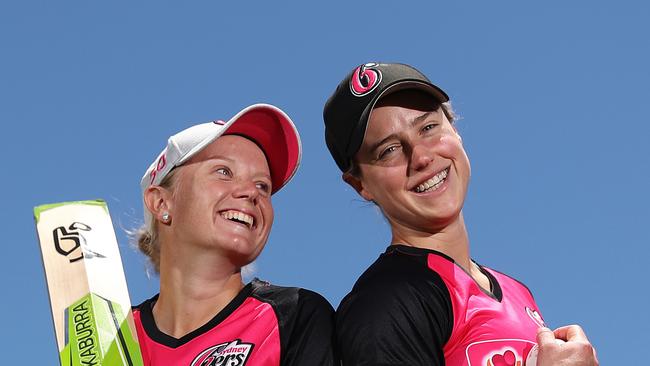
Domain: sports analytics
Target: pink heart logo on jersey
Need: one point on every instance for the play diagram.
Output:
(508, 358)
(498, 352)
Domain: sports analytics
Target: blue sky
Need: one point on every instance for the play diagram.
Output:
(552, 96)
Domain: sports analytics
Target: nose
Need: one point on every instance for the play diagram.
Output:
(246, 190)
(421, 157)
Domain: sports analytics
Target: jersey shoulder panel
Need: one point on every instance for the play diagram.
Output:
(306, 322)
(398, 312)
(399, 271)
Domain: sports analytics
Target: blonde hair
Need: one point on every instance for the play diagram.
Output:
(147, 236)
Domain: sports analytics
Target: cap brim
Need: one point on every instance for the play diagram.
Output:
(430, 89)
(276, 135)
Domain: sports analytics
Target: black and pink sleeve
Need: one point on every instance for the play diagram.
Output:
(399, 313)
(306, 326)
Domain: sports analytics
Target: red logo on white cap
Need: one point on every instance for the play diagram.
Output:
(162, 161)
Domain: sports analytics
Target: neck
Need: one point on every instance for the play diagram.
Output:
(452, 240)
(194, 287)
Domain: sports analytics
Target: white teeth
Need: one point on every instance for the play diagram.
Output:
(238, 216)
(433, 183)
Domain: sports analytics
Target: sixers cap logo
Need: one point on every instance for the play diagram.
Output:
(234, 353)
(365, 79)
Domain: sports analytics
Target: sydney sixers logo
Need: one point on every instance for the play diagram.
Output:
(233, 353)
(365, 79)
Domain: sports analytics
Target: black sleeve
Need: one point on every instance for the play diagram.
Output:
(399, 318)
(306, 326)
(310, 341)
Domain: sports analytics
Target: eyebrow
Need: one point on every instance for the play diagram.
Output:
(411, 123)
(210, 158)
(219, 157)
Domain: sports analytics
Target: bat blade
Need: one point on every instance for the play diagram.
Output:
(88, 295)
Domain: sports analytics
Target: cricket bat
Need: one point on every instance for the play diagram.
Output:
(90, 302)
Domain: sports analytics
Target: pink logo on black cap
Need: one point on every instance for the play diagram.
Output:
(365, 79)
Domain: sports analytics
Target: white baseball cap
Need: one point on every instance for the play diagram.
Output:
(265, 124)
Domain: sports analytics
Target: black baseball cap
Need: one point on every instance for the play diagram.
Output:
(347, 110)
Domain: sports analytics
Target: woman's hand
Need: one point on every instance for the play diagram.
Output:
(566, 346)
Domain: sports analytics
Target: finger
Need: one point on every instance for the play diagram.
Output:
(545, 336)
(571, 333)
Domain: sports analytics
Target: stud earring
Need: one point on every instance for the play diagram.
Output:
(165, 217)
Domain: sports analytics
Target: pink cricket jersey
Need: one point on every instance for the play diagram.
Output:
(418, 307)
(264, 325)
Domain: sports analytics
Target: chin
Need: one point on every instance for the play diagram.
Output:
(243, 255)
(441, 218)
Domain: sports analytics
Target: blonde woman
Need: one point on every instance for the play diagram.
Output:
(208, 213)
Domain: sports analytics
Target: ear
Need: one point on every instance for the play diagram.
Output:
(158, 201)
(357, 184)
